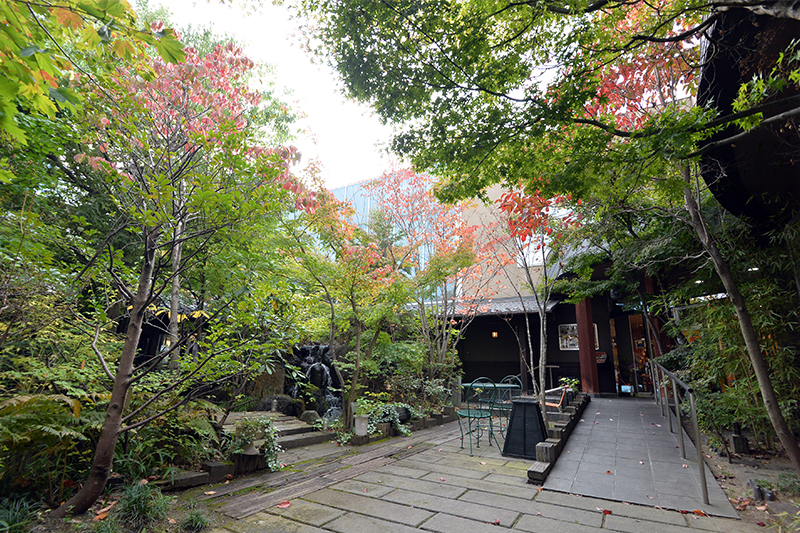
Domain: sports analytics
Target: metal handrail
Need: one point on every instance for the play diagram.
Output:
(657, 373)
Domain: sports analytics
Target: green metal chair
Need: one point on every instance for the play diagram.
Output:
(476, 412)
(509, 388)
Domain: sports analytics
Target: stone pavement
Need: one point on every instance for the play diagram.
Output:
(623, 450)
(425, 482)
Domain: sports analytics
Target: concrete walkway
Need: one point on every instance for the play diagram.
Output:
(622, 450)
(425, 482)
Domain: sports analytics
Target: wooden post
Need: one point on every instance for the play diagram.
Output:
(590, 383)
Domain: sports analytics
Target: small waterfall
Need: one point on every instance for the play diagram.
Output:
(315, 362)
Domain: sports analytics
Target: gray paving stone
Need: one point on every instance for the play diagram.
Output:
(445, 523)
(369, 506)
(579, 516)
(305, 512)
(415, 485)
(405, 471)
(476, 466)
(514, 480)
(520, 489)
(355, 486)
(632, 525)
(473, 511)
(728, 525)
(440, 468)
(267, 523)
(356, 523)
(540, 524)
(617, 508)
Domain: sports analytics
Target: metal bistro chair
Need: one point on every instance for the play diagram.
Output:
(509, 388)
(476, 412)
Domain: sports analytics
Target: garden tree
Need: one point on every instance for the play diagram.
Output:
(436, 247)
(46, 44)
(362, 289)
(532, 230)
(183, 165)
(502, 92)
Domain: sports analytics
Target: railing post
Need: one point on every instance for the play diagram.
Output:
(700, 462)
(667, 382)
(678, 416)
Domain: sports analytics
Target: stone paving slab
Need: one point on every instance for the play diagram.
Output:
(627, 440)
(499, 501)
(359, 487)
(474, 511)
(266, 523)
(539, 524)
(356, 523)
(520, 489)
(370, 506)
(306, 512)
(414, 485)
(447, 523)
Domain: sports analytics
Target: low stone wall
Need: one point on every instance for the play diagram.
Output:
(562, 424)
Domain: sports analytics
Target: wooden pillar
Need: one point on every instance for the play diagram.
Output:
(586, 352)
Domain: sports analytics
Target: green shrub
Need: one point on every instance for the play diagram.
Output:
(16, 515)
(248, 430)
(195, 521)
(141, 506)
(788, 483)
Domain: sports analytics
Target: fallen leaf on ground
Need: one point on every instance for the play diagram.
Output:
(210, 492)
(611, 419)
(760, 523)
(685, 466)
(761, 507)
(107, 508)
(609, 472)
(652, 497)
(441, 479)
(99, 517)
(483, 462)
(606, 511)
(143, 482)
(410, 447)
(365, 490)
(284, 504)
(641, 462)
(172, 521)
(698, 512)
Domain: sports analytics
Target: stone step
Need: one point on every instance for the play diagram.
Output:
(304, 439)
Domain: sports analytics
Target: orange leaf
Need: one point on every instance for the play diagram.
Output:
(99, 517)
(284, 504)
(609, 472)
(68, 18)
(172, 521)
(606, 511)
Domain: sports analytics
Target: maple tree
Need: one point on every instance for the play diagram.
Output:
(442, 255)
(183, 165)
(43, 45)
(535, 225)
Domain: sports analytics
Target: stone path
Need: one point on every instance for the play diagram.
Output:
(426, 482)
(623, 450)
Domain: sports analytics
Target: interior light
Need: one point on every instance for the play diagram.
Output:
(494, 334)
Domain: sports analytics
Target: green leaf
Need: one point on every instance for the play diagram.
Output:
(57, 96)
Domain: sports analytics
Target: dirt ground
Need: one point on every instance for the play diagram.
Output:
(759, 466)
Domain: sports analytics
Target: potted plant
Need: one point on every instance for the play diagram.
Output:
(249, 430)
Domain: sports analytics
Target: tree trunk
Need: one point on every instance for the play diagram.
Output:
(745, 324)
(104, 453)
(543, 360)
(174, 298)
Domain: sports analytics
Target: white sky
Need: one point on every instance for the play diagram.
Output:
(346, 133)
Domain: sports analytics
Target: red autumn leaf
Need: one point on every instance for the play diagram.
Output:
(284, 504)
(698, 512)
(606, 511)
(99, 517)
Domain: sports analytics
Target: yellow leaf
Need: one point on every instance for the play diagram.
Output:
(123, 49)
(68, 18)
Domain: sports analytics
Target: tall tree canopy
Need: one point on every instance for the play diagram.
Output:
(586, 97)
